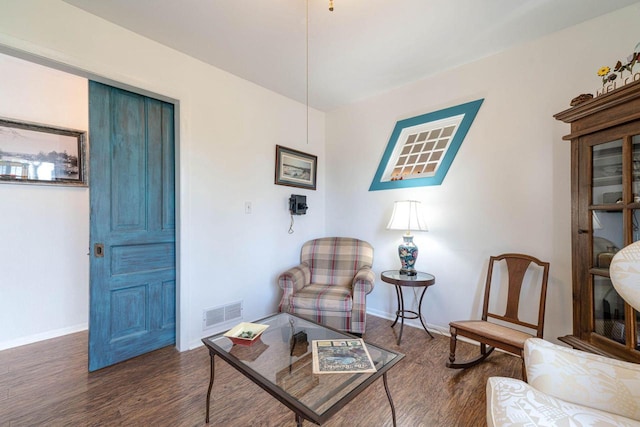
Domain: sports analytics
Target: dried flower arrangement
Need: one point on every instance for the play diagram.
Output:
(609, 76)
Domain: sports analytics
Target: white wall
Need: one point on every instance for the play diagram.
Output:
(45, 229)
(507, 190)
(228, 129)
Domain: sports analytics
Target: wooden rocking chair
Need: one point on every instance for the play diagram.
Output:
(492, 335)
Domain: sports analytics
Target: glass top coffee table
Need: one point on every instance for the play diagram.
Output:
(280, 362)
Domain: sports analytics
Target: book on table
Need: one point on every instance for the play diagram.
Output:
(341, 356)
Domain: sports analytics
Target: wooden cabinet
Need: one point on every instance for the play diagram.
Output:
(605, 216)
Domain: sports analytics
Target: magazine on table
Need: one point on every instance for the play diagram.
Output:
(341, 356)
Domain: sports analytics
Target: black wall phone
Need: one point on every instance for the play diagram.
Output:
(298, 204)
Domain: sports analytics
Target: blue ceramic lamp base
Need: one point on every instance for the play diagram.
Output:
(408, 252)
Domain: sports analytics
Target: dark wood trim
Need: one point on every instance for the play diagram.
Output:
(575, 248)
(601, 127)
(619, 96)
(595, 345)
(579, 344)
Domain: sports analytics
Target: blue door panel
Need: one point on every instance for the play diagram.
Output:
(169, 304)
(132, 179)
(128, 312)
(168, 220)
(128, 166)
(134, 258)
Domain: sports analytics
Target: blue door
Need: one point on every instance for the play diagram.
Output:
(132, 200)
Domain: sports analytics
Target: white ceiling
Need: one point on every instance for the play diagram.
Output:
(362, 48)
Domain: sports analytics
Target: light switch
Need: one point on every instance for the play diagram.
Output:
(247, 208)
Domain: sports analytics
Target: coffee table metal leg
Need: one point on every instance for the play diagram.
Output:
(420, 312)
(299, 420)
(210, 387)
(386, 388)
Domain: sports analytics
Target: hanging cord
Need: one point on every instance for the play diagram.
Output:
(307, 71)
(291, 225)
(307, 63)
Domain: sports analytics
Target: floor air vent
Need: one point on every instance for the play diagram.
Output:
(222, 314)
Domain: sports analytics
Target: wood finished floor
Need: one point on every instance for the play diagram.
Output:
(47, 384)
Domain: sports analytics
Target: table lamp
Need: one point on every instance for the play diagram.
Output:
(408, 216)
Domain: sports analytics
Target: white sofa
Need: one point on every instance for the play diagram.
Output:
(566, 387)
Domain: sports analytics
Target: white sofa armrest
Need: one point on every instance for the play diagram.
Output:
(583, 378)
(514, 403)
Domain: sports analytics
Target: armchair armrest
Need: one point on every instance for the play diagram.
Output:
(583, 378)
(291, 281)
(295, 278)
(364, 278)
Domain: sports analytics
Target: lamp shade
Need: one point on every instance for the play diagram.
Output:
(408, 215)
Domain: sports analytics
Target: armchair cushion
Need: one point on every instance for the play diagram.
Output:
(324, 297)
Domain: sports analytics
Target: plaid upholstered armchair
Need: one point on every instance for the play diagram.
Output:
(330, 284)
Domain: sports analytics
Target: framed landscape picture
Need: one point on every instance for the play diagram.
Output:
(295, 168)
(39, 154)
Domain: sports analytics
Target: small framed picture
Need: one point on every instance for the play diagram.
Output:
(32, 153)
(295, 168)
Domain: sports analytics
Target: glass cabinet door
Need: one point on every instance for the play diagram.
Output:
(606, 175)
(635, 169)
(615, 191)
(635, 213)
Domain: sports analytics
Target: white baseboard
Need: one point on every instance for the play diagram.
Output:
(414, 323)
(43, 336)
